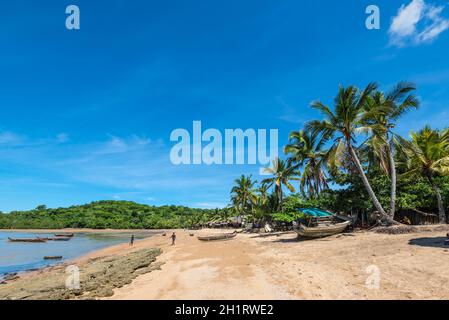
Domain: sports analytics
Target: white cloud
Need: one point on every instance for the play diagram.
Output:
(417, 23)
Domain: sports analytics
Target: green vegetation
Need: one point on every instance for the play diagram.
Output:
(109, 214)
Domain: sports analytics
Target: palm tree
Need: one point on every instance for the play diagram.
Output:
(243, 194)
(382, 113)
(282, 173)
(343, 125)
(307, 149)
(260, 206)
(224, 214)
(428, 155)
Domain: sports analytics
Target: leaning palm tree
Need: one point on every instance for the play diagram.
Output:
(307, 149)
(243, 194)
(343, 124)
(427, 154)
(282, 173)
(382, 113)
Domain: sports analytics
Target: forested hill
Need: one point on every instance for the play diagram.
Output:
(107, 214)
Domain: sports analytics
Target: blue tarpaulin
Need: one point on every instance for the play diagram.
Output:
(314, 212)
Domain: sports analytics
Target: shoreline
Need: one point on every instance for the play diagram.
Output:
(82, 258)
(55, 275)
(81, 230)
(279, 266)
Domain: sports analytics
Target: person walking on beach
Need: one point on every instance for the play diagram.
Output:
(173, 238)
(131, 243)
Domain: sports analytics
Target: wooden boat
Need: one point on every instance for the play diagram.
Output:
(322, 230)
(52, 257)
(58, 239)
(216, 237)
(27, 240)
(61, 238)
(68, 235)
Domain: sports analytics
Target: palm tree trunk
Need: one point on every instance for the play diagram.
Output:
(366, 183)
(441, 211)
(393, 178)
(280, 196)
(281, 199)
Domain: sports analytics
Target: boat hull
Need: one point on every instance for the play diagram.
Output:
(38, 240)
(217, 237)
(64, 235)
(58, 239)
(321, 231)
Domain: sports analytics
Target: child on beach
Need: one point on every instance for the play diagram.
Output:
(173, 238)
(131, 243)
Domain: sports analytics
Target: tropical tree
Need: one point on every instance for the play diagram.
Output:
(382, 114)
(427, 154)
(282, 172)
(307, 149)
(243, 194)
(262, 208)
(343, 124)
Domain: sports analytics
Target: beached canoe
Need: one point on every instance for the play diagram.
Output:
(216, 237)
(58, 239)
(321, 231)
(68, 235)
(61, 238)
(27, 240)
(52, 257)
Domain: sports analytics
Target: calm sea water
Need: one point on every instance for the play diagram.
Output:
(17, 257)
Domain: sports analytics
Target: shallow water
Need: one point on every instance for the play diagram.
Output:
(17, 256)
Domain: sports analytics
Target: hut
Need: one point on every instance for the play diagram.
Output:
(415, 217)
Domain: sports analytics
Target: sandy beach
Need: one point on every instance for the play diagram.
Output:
(279, 266)
(411, 266)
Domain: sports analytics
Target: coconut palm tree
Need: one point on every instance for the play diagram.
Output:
(382, 113)
(307, 149)
(427, 154)
(262, 196)
(243, 194)
(343, 124)
(282, 173)
(260, 208)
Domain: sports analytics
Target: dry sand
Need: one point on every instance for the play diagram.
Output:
(411, 266)
(279, 266)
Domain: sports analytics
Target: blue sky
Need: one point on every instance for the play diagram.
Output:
(87, 114)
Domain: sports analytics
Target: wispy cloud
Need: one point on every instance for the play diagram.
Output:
(417, 23)
(438, 77)
(119, 167)
(10, 138)
(289, 114)
(62, 137)
(210, 205)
